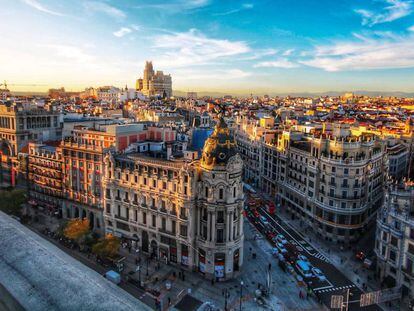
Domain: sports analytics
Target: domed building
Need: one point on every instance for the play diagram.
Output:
(183, 210)
(220, 204)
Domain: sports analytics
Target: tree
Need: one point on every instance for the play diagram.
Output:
(77, 229)
(107, 247)
(11, 201)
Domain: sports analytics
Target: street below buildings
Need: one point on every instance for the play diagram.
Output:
(335, 281)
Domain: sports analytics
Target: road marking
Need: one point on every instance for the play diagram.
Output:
(270, 223)
(321, 288)
(332, 289)
(322, 257)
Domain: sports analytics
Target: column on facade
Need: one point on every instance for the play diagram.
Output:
(213, 227)
(208, 226)
(231, 226)
(199, 216)
(228, 227)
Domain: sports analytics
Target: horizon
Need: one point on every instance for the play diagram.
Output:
(237, 47)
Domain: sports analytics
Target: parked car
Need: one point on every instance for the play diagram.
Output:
(303, 258)
(281, 238)
(360, 255)
(304, 268)
(281, 248)
(275, 251)
(263, 220)
(318, 274)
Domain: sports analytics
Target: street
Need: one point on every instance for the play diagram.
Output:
(336, 282)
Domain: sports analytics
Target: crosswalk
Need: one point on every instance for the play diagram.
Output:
(333, 289)
(321, 257)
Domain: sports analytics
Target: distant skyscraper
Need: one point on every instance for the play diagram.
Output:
(154, 83)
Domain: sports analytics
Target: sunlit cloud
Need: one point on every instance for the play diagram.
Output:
(40, 7)
(195, 48)
(173, 6)
(378, 52)
(243, 7)
(396, 9)
(101, 7)
(122, 32)
(70, 52)
(278, 63)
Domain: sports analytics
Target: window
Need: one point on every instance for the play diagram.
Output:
(333, 169)
(234, 192)
(154, 221)
(108, 208)
(206, 192)
(183, 230)
(220, 236)
(163, 223)
(173, 225)
(346, 171)
(221, 193)
(119, 210)
(411, 249)
(185, 190)
(126, 196)
(393, 256)
(135, 198)
(154, 183)
(220, 217)
(144, 218)
(394, 241)
(136, 215)
(136, 179)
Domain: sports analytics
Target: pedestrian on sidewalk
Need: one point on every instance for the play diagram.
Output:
(169, 301)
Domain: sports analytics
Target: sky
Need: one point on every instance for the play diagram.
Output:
(255, 46)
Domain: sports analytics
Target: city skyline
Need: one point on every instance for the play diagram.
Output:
(237, 47)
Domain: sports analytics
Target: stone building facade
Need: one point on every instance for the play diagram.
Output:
(394, 243)
(154, 82)
(184, 211)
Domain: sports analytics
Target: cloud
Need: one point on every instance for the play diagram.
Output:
(70, 52)
(395, 10)
(259, 54)
(40, 7)
(411, 28)
(245, 6)
(288, 52)
(376, 52)
(96, 6)
(122, 32)
(194, 48)
(226, 74)
(174, 6)
(278, 63)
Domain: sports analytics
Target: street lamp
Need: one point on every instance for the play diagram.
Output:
(226, 296)
(241, 293)
(139, 274)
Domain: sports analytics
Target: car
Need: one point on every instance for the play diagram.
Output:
(281, 248)
(360, 255)
(281, 238)
(303, 258)
(318, 274)
(263, 220)
(304, 268)
(275, 251)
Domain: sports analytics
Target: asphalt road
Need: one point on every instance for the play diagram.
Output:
(336, 284)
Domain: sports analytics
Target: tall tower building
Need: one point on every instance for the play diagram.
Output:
(154, 83)
(220, 221)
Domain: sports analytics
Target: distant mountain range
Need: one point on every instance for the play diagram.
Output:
(293, 94)
(303, 94)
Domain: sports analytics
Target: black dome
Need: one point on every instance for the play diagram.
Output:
(219, 147)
